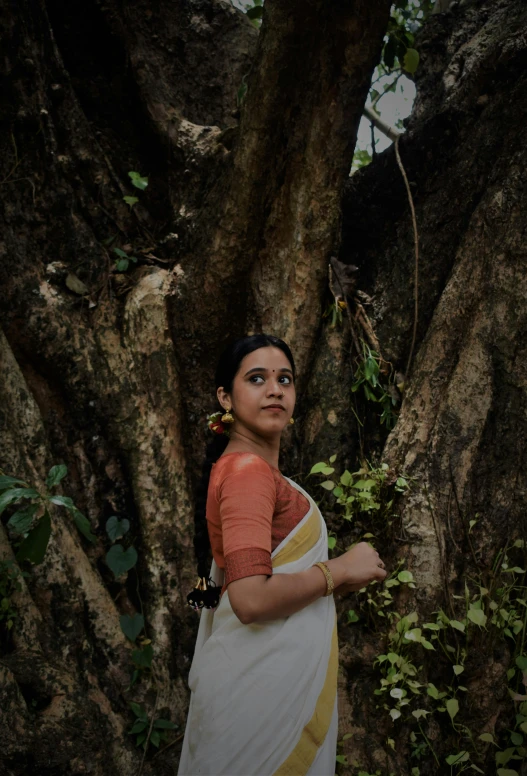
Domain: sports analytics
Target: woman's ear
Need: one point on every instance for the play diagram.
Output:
(224, 398)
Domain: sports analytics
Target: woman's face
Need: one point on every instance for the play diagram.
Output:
(263, 392)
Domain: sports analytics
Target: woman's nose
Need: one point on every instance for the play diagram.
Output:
(274, 388)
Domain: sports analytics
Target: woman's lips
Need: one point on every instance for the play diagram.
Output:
(275, 409)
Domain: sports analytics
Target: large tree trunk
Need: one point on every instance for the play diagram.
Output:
(110, 372)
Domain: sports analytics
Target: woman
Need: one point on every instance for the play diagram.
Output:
(264, 673)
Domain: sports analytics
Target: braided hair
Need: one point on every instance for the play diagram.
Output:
(227, 368)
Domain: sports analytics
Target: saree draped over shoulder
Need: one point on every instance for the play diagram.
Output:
(264, 696)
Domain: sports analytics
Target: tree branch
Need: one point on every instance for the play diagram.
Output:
(381, 125)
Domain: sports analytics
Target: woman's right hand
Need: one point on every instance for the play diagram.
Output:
(357, 567)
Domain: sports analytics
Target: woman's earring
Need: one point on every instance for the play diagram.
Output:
(291, 420)
(228, 417)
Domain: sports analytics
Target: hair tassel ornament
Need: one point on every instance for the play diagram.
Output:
(206, 595)
(215, 424)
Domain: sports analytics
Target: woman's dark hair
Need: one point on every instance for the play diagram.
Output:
(226, 371)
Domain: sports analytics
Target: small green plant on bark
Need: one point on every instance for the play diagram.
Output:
(377, 385)
(148, 731)
(367, 494)
(489, 610)
(30, 525)
(140, 183)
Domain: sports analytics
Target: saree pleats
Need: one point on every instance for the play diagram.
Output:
(263, 699)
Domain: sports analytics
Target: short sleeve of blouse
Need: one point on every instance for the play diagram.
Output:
(246, 496)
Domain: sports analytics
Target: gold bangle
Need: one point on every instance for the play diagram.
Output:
(330, 585)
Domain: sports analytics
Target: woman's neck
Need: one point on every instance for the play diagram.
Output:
(243, 442)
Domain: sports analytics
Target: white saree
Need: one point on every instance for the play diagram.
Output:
(264, 696)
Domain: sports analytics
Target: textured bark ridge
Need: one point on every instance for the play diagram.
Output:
(109, 372)
(462, 427)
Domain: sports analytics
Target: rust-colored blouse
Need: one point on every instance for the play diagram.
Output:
(251, 508)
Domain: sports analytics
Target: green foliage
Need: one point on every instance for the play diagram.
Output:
(30, 525)
(138, 181)
(376, 386)
(488, 610)
(255, 12)
(132, 625)
(116, 528)
(367, 493)
(147, 732)
(121, 264)
(406, 18)
(120, 559)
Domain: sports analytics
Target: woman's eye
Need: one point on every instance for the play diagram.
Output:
(254, 378)
(286, 379)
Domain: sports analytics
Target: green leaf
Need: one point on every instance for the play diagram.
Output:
(458, 670)
(130, 200)
(8, 482)
(84, 526)
(352, 616)
(452, 706)
(460, 757)
(255, 12)
(365, 484)
(327, 470)
(332, 458)
(317, 468)
(521, 662)
(120, 560)
(432, 691)
(155, 738)
(34, 546)
(14, 494)
(56, 474)
(411, 60)
(487, 737)
(138, 181)
(62, 501)
(477, 616)
(165, 724)
(121, 265)
(457, 625)
(506, 772)
(122, 254)
(516, 739)
(502, 758)
(139, 726)
(328, 484)
(405, 576)
(21, 520)
(132, 625)
(143, 657)
(345, 479)
(116, 528)
(332, 540)
(139, 710)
